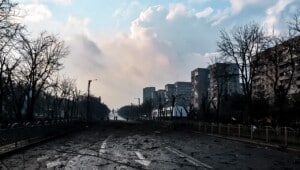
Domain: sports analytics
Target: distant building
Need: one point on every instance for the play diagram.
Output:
(147, 93)
(223, 80)
(161, 97)
(178, 111)
(158, 98)
(200, 82)
(183, 93)
(170, 93)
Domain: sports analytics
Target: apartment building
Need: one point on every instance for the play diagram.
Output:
(147, 93)
(183, 93)
(223, 80)
(158, 98)
(169, 93)
(276, 65)
(200, 82)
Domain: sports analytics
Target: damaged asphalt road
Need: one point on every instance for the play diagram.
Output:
(145, 146)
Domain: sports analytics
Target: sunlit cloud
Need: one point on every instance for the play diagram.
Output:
(197, 1)
(178, 10)
(272, 16)
(33, 12)
(238, 5)
(63, 2)
(77, 25)
(126, 9)
(206, 12)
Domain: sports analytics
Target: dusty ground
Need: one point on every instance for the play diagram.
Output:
(140, 146)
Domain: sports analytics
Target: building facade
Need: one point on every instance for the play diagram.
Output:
(183, 93)
(200, 82)
(147, 93)
(169, 93)
(158, 98)
(278, 66)
(223, 80)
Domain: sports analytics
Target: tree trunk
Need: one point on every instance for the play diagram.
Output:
(30, 109)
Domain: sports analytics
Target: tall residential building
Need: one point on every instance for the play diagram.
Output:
(158, 98)
(200, 82)
(223, 80)
(170, 93)
(276, 65)
(147, 93)
(183, 93)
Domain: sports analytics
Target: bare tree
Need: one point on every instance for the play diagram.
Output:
(75, 103)
(67, 92)
(9, 33)
(243, 46)
(42, 58)
(294, 25)
(222, 74)
(147, 107)
(279, 65)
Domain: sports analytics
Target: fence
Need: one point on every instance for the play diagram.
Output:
(283, 136)
(29, 131)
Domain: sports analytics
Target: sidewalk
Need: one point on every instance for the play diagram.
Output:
(20, 145)
(9, 149)
(252, 141)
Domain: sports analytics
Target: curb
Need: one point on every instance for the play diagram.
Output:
(34, 142)
(13, 150)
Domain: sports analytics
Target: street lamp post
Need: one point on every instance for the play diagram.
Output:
(139, 100)
(88, 101)
(131, 108)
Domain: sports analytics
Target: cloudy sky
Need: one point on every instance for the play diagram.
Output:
(128, 45)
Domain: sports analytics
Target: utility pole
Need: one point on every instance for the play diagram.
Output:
(88, 102)
(131, 108)
(88, 118)
(139, 100)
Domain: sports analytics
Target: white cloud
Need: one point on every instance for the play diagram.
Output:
(85, 56)
(197, 1)
(238, 11)
(238, 5)
(126, 9)
(220, 16)
(204, 59)
(34, 12)
(178, 10)
(272, 15)
(206, 12)
(63, 2)
(76, 25)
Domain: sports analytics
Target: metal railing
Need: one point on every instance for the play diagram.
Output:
(20, 132)
(283, 136)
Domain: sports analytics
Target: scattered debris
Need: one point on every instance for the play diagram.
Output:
(54, 163)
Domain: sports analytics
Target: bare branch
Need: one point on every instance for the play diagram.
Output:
(42, 58)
